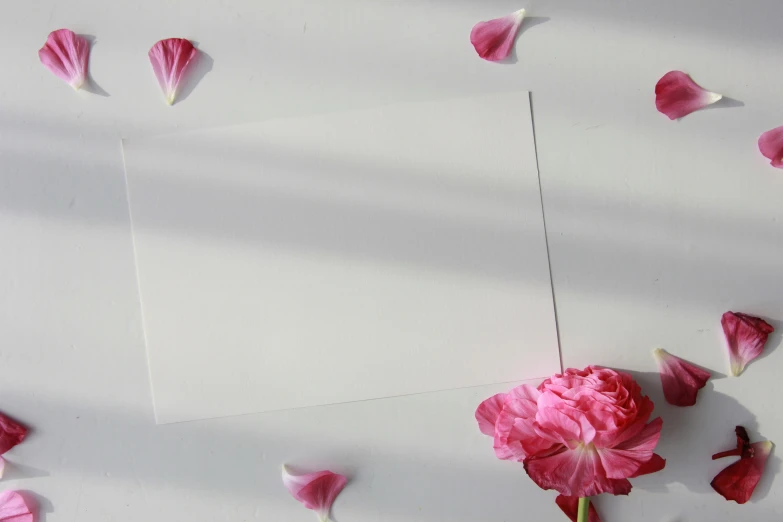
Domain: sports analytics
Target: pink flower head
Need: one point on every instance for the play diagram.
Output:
(738, 481)
(494, 39)
(170, 59)
(570, 506)
(676, 95)
(11, 433)
(583, 432)
(771, 146)
(681, 380)
(14, 508)
(316, 491)
(745, 336)
(66, 54)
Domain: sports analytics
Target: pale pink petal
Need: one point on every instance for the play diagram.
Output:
(316, 491)
(676, 95)
(13, 508)
(11, 433)
(488, 412)
(66, 54)
(494, 39)
(574, 473)
(625, 460)
(680, 379)
(170, 59)
(771, 146)
(745, 336)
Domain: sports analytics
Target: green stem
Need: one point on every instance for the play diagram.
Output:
(584, 509)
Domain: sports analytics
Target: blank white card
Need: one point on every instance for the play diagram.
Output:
(342, 257)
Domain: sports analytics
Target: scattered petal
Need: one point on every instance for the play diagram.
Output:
(11, 433)
(488, 412)
(676, 95)
(746, 336)
(771, 146)
(170, 59)
(65, 53)
(681, 380)
(494, 39)
(13, 508)
(738, 481)
(570, 506)
(316, 491)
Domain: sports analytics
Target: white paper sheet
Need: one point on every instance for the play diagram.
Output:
(342, 257)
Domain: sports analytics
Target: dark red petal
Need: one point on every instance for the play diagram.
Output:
(570, 506)
(11, 433)
(655, 464)
(680, 379)
(738, 481)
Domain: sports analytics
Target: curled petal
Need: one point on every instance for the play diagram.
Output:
(681, 380)
(14, 508)
(11, 433)
(676, 95)
(771, 146)
(570, 506)
(66, 54)
(738, 481)
(316, 491)
(488, 412)
(170, 59)
(494, 39)
(746, 336)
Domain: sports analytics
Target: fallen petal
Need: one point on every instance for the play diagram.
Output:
(771, 146)
(681, 380)
(488, 412)
(494, 39)
(316, 491)
(570, 506)
(11, 433)
(738, 481)
(66, 54)
(746, 336)
(170, 59)
(13, 508)
(676, 95)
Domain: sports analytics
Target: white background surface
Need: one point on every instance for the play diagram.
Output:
(655, 228)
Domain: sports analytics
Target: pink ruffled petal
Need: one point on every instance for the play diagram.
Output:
(574, 473)
(488, 412)
(493, 40)
(66, 54)
(676, 95)
(570, 506)
(626, 459)
(681, 380)
(746, 336)
(170, 59)
(11, 433)
(316, 491)
(13, 508)
(771, 146)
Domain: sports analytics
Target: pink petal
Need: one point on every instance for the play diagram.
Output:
(66, 54)
(746, 336)
(626, 459)
(771, 146)
(13, 508)
(570, 506)
(316, 491)
(488, 412)
(676, 95)
(170, 59)
(681, 380)
(574, 473)
(11, 433)
(654, 465)
(494, 39)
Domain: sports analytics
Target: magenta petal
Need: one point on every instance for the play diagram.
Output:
(13, 508)
(488, 412)
(681, 380)
(771, 146)
(494, 39)
(746, 336)
(66, 54)
(316, 491)
(170, 59)
(11, 433)
(676, 95)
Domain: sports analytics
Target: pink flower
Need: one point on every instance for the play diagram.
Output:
(570, 506)
(745, 336)
(738, 481)
(13, 508)
(316, 491)
(66, 54)
(681, 380)
(676, 95)
(581, 433)
(771, 146)
(494, 39)
(170, 59)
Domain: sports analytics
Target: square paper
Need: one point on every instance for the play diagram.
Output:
(342, 257)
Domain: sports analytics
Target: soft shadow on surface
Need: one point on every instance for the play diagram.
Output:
(198, 69)
(38, 504)
(527, 24)
(91, 85)
(14, 471)
(725, 103)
